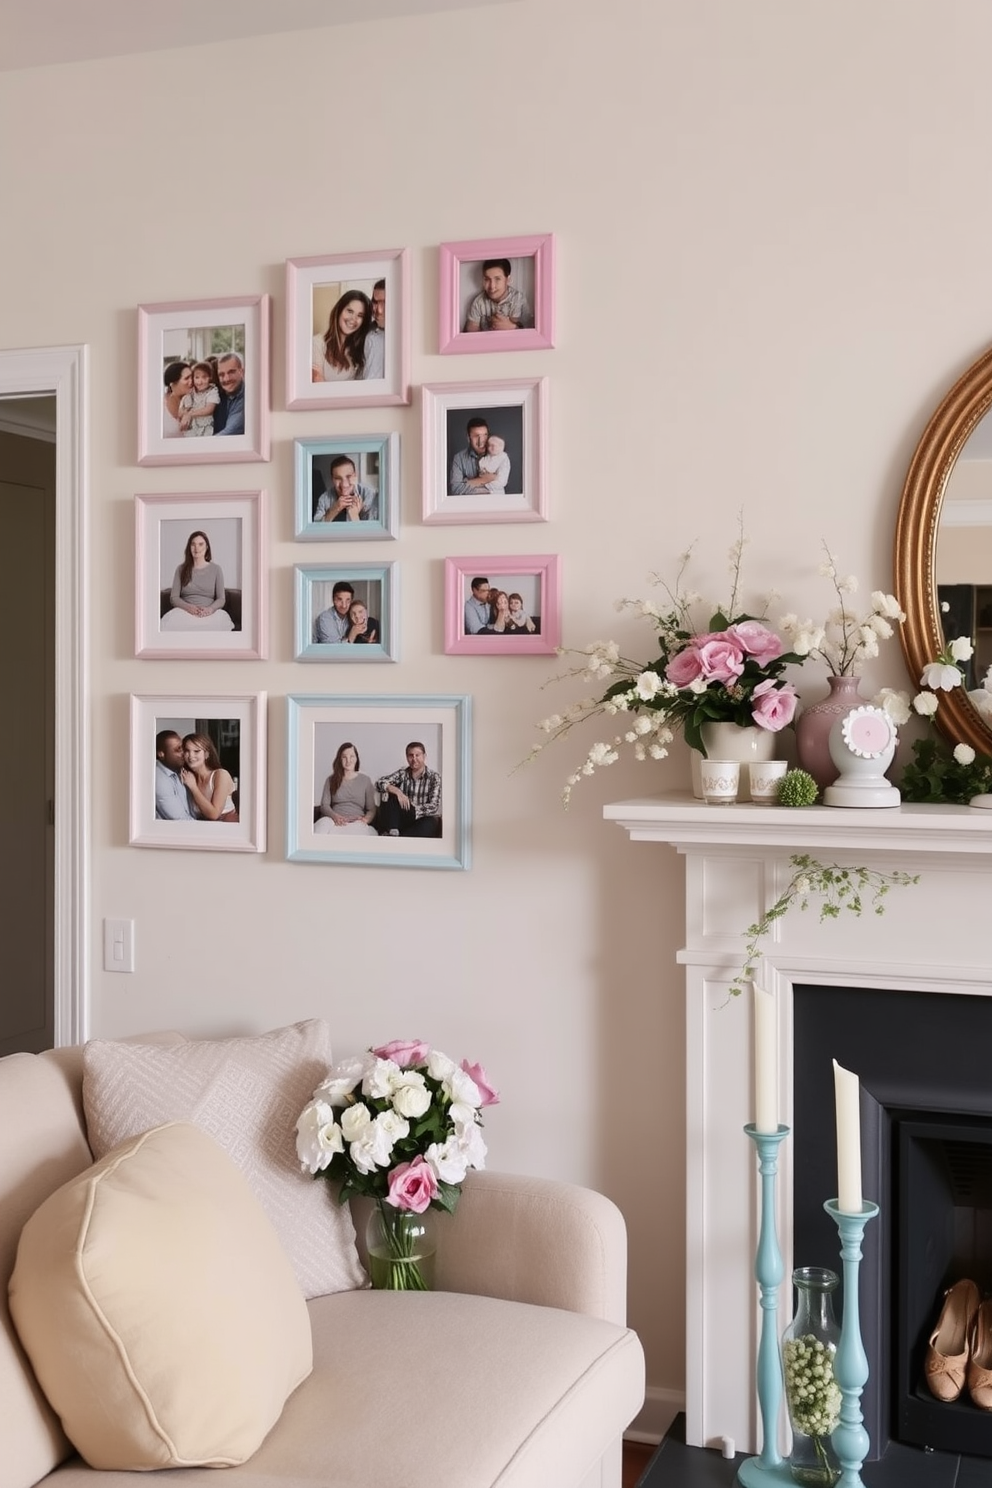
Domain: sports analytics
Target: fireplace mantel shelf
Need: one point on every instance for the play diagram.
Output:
(909, 829)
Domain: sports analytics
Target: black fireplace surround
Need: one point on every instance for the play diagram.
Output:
(925, 1064)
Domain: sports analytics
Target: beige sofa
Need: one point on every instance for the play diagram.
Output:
(518, 1372)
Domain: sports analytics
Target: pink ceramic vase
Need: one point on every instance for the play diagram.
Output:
(814, 724)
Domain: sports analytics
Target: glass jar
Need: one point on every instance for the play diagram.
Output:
(401, 1247)
(809, 1346)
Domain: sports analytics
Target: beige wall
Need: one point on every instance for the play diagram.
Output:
(772, 262)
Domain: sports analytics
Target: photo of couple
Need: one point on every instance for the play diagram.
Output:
(196, 770)
(349, 332)
(349, 618)
(204, 382)
(403, 802)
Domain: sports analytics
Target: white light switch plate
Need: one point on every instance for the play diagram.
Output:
(118, 945)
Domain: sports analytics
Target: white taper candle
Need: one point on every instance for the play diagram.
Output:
(765, 1062)
(847, 1096)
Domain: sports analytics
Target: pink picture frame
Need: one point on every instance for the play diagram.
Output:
(315, 288)
(531, 628)
(530, 288)
(232, 336)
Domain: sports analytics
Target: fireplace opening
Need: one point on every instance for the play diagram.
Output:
(925, 1065)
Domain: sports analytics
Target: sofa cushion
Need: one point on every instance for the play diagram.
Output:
(247, 1093)
(42, 1145)
(158, 1307)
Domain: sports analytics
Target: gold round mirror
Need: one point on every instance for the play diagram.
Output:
(944, 550)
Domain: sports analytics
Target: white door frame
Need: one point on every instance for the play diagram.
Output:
(62, 370)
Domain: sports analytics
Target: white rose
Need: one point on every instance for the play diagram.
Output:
(925, 704)
(471, 1145)
(412, 1097)
(439, 1066)
(964, 754)
(380, 1079)
(961, 649)
(448, 1161)
(341, 1079)
(354, 1120)
(372, 1149)
(394, 1126)
(318, 1137)
(462, 1090)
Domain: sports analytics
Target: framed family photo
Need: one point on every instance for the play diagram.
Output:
(506, 606)
(347, 488)
(203, 381)
(484, 451)
(347, 330)
(347, 612)
(497, 294)
(380, 781)
(198, 772)
(200, 580)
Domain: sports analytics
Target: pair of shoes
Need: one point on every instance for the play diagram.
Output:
(948, 1356)
(980, 1363)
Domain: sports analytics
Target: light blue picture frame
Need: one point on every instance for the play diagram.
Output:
(380, 728)
(376, 458)
(374, 584)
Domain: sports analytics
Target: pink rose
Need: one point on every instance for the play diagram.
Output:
(758, 641)
(404, 1052)
(412, 1185)
(773, 705)
(684, 667)
(475, 1072)
(722, 658)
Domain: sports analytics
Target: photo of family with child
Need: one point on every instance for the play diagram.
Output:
(204, 382)
(485, 451)
(511, 610)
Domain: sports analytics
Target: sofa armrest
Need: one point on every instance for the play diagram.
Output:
(535, 1240)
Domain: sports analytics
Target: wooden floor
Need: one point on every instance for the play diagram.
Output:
(636, 1456)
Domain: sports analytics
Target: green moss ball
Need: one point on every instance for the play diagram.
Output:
(797, 788)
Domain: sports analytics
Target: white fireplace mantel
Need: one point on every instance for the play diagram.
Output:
(934, 936)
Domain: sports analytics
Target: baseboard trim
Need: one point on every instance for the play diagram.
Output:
(656, 1415)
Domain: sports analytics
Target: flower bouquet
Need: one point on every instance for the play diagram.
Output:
(400, 1125)
(937, 772)
(724, 669)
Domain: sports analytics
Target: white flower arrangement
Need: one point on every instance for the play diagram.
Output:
(724, 668)
(935, 772)
(845, 640)
(400, 1124)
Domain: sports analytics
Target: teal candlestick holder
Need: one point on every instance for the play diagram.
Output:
(849, 1437)
(768, 1468)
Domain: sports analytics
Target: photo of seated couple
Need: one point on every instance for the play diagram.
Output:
(485, 451)
(204, 377)
(191, 782)
(378, 801)
(513, 610)
(194, 596)
(496, 294)
(349, 332)
(348, 620)
(345, 488)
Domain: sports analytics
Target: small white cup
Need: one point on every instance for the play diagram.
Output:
(765, 777)
(719, 780)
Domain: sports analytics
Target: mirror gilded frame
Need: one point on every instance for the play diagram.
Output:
(922, 635)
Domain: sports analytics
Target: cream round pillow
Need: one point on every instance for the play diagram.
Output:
(158, 1307)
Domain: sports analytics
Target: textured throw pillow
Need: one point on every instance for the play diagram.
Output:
(158, 1308)
(247, 1094)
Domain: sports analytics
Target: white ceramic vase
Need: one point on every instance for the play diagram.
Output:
(732, 741)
